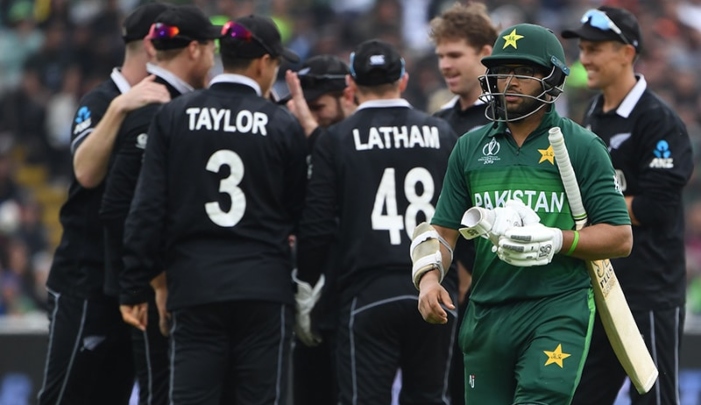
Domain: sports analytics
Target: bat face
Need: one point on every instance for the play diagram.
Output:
(605, 277)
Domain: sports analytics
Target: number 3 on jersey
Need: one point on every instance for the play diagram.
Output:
(228, 185)
(386, 201)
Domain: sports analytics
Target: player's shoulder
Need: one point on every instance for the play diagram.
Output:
(98, 99)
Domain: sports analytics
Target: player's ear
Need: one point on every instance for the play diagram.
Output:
(403, 82)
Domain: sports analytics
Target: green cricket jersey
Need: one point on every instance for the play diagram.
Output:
(487, 168)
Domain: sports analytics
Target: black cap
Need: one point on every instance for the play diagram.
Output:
(322, 74)
(191, 24)
(137, 24)
(622, 18)
(260, 37)
(376, 62)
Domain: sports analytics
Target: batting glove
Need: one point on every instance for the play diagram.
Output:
(306, 297)
(528, 216)
(530, 245)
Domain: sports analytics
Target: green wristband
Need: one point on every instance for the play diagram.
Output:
(574, 244)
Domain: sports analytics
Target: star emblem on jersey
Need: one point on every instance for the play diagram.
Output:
(556, 356)
(511, 39)
(547, 154)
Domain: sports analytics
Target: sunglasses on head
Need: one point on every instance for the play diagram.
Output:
(520, 70)
(164, 31)
(238, 31)
(599, 20)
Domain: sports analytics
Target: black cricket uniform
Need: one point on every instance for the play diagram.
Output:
(221, 188)
(651, 153)
(462, 121)
(375, 176)
(89, 351)
(150, 347)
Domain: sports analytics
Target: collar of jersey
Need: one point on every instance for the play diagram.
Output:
(387, 103)
(177, 83)
(120, 81)
(548, 121)
(237, 79)
(632, 97)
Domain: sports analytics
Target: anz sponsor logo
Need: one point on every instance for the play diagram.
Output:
(662, 159)
(82, 120)
(489, 152)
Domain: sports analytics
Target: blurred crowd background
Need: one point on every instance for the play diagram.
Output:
(54, 51)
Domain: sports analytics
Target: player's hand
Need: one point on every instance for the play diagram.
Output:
(528, 216)
(531, 245)
(305, 299)
(163, 314)
(145, 92)
(135, 315)
(432, 297)
(505, 218)
(298, 105)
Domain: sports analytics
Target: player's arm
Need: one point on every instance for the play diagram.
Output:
(431, 256)
(144, 228)
(664, 168)
(91, 157)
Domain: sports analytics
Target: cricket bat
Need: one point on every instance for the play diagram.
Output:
(611, 303)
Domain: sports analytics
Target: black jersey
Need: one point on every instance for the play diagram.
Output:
(375, 176)
(221, 189)
(120, 184)
(463, 121)
(78, 265)
(651, 152)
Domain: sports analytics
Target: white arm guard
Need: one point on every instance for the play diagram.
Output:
(426, 252)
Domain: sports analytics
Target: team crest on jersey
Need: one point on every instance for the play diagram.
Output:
(556, 356)
(663, 156)
(141, 141)
(489, 152)
(547, 155)
(471, 381)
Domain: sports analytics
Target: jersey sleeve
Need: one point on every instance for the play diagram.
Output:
(601, 194)
(146, 220)
(664, 167)
(454, 199)
(92, 109)
(318, 226)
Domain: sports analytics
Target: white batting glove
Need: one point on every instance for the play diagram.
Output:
(305, 299)
(528, 216)
(531, 245)
(505, 218)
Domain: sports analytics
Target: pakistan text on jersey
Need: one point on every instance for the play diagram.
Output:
(214, 119)
(543, 201)
(398, 137)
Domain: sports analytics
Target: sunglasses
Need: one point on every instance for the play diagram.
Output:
(164, 31)
(521, 70)
(238, 31)
(598, 19)
(312, 80)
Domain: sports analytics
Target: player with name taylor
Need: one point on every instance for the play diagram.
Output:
(527, 328)
(219, 207)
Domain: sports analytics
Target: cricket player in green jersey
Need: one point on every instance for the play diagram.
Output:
(526, 332)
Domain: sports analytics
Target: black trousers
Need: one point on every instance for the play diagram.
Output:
(314, 372)
(234, 352)
(89, 357)
(379, 334)
(603, 375)
(151, 361)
